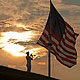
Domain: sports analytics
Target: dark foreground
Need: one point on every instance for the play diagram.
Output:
(13, 74)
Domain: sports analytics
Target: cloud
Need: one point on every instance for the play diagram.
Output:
(23, 43)
(57, 1)
(31, 10)
(25, 11)
(12, 29)
(0, 48)
(71, 2)
(4, 16)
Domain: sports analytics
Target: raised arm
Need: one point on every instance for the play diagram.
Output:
(31, 57)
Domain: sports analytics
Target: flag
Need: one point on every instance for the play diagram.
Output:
(63, 38)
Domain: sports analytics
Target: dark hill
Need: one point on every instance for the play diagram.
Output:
(13, 74)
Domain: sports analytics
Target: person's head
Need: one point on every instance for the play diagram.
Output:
(27, 53)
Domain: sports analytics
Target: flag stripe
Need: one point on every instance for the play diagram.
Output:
(52, 34)
(67, 45)
(75, 34)
(59, 48)
(64, 62)
(68, 49)
(45, 39)
(59, 53)
(45, 34)
(70, 33)
(69, 36)
(68, 64)
(70, 30)
(71, 41)
(43, 42)
(55, 42)
(68, 42)
(68, 26)
(65, 59)
(64, 56)
(40, 43)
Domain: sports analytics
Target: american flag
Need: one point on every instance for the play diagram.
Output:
(63, 38)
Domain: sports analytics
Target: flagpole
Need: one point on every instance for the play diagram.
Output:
(49, 56)
(49, 48)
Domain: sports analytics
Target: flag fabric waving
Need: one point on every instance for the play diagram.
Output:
(63, 38)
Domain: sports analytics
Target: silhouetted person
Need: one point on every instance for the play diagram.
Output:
(29, 58)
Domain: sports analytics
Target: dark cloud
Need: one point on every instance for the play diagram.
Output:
(14, 29)
(31, 10)
(12, 40)
(2, 23)
(71, 2)
(27, 3)
(36, 25)
(25, 43)
(0, 48)
(67, 13)
(4, 16)
(25, 11)
(35, 13)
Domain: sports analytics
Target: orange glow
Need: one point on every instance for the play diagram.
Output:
(14, 49)
(8, 42)
(20, 25)
(42, 63)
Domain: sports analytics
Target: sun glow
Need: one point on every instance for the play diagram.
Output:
(14, 49)
(26, 36)
(11, 46)
(20, 25)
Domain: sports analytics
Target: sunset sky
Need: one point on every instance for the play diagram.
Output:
(21, 24)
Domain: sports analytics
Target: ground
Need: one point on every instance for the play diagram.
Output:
(13, 74)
